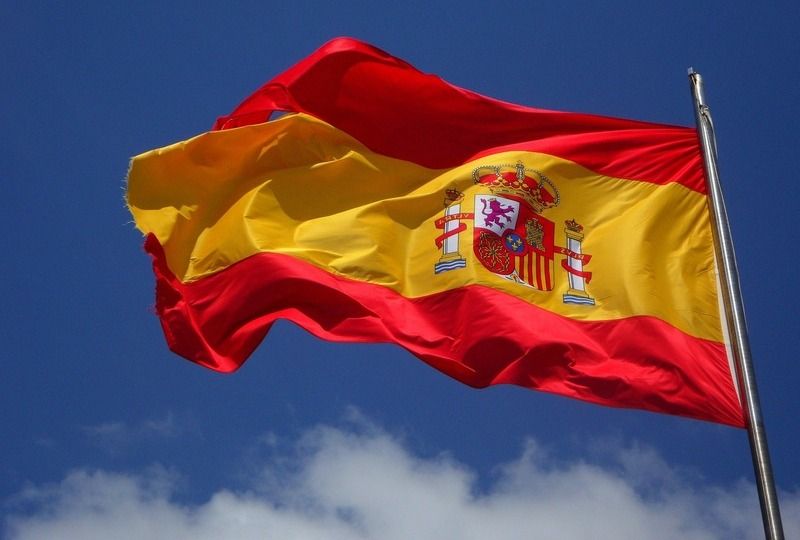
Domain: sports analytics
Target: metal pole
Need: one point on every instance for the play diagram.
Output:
(735, 320)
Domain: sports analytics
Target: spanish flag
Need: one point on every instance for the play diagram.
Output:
(562, 252)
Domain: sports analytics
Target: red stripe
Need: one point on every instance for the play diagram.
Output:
(401, 112)
(639, 362)
(529, 264)
(539, 284)
(548, 284)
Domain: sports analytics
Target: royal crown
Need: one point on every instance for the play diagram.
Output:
(573, 225)
(451, 196)
(529, 184)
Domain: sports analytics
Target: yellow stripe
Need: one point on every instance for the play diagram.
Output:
(300, 187)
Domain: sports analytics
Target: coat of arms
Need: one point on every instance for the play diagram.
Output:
(511, 237)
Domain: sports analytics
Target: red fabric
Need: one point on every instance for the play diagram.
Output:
(398, 111)
(638, 362)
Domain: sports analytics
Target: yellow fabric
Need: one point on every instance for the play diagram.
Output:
(300, 187)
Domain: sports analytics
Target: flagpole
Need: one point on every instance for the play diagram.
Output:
(734, 311)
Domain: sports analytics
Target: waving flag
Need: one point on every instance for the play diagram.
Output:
(562, 252)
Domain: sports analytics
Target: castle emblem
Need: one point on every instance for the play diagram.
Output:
(511, 237)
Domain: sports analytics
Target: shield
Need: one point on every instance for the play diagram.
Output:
(513, 241)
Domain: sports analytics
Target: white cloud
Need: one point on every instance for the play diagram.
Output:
(115, 437)
(365, 484)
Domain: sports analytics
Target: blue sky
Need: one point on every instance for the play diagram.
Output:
(104, 430)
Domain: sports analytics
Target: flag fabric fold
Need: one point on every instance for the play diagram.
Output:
(563, 252)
